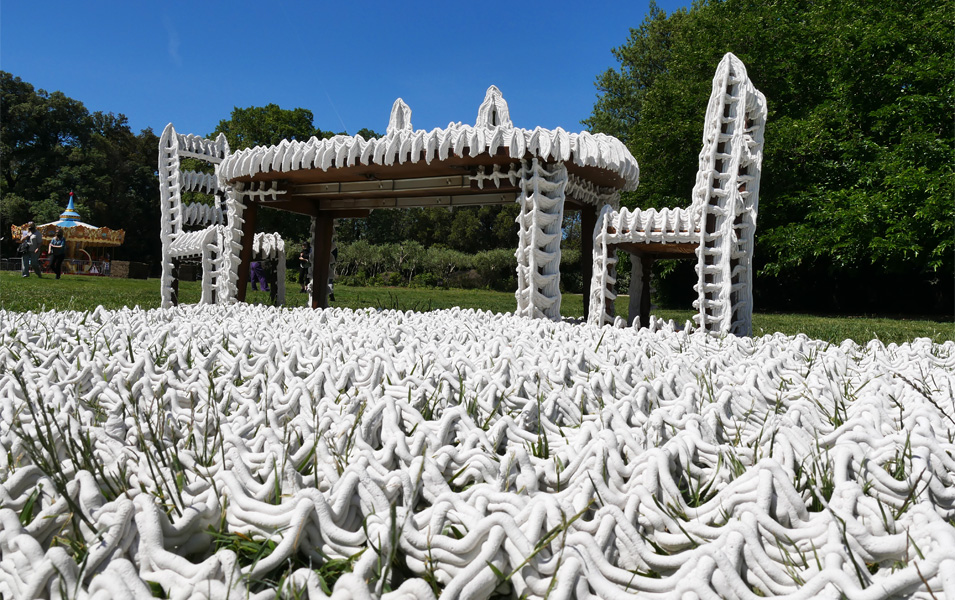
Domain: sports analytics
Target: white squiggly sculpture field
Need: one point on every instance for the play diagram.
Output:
(215, 451)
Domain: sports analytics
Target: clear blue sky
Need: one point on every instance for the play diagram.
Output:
(190, 63)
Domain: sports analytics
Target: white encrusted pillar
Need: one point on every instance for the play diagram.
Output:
(727, 188)
(604, 274)
(169, 203)
(539, 236)
(227, 270)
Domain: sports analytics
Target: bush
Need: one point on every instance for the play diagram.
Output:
(571, 279)
(443, 262)
(424, 280)
(467, 280)
(389, 279)
(496, 269)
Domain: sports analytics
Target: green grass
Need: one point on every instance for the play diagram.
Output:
(78, 292)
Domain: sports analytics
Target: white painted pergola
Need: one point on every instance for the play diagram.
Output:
(490, 162)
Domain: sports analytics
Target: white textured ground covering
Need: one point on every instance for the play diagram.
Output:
(248, 452)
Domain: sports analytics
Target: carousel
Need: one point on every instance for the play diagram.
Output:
(87, 246)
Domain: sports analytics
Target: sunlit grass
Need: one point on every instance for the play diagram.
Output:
(78, 292)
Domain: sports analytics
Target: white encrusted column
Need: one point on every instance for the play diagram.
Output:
(169, 203)
(604, 274)
(727, 186)
(227, 271)
(539, 235)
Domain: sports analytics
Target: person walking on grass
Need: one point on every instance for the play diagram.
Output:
(57, 251)
(304, 263)
(30, 245)
(257, 275)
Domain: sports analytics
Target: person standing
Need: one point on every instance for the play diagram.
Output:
(31, 250)
(304, 264)
(57, 251)
(257, 275)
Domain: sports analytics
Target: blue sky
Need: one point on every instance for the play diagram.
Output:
(190, 63)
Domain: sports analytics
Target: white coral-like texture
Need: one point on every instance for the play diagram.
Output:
(216, 451)
(493, 131)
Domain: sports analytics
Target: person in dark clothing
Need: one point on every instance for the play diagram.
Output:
(57, 251)
(304, 264)
(30, 244)
(257, 275)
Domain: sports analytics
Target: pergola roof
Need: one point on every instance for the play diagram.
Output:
(312, 168)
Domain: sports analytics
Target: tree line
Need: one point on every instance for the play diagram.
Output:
(51, 144)
(856, 198)
(856, 206)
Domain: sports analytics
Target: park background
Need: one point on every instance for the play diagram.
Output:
(856, 212)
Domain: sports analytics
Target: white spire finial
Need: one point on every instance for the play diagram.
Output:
(493, 111)
(400, 117)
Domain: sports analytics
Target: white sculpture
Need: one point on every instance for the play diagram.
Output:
(217, 242)
(271, 247)
(584, 462)
(719, 224)
(547, 168)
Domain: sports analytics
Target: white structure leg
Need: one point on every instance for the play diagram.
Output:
(604, 274)
(538, 250)
(227, 284)
(169, 200)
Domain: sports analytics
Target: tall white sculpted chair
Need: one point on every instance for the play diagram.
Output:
(718, 226)
(216, 241)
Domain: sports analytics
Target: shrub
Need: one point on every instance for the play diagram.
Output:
(496, 268)
(424, 280)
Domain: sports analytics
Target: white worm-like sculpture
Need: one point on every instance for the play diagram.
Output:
(213, 451)
(539, 234)
(720, 221)
(493, 131)
(218, 242)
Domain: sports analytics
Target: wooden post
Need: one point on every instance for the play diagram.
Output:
(321, 256)
(175, 281)
(588, 221)
(245, 254)
(647, 265)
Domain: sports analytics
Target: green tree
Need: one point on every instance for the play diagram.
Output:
(268, 126)
(856, 194)
(51, 145)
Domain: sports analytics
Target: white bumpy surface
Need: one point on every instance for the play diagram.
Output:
(492, 131)
(450, 451)
(539, 233)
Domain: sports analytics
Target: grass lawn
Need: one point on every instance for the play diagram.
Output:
(79, 292)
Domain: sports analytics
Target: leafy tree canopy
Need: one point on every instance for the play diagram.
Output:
(51, 144)
(856, 206)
